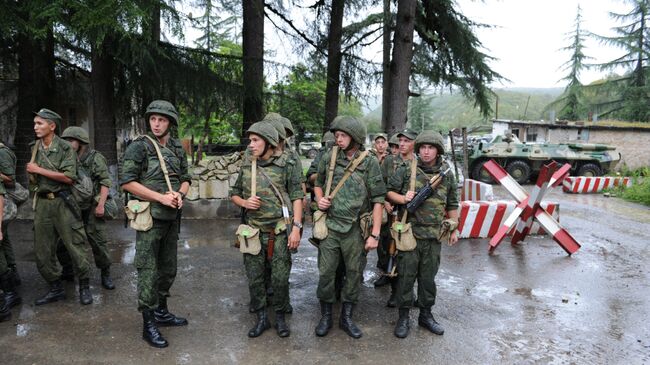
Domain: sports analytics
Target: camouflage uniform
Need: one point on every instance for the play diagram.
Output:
(156, 249)
(4, 267)
(52, 218)
(286, 175)
(7, 168)
(363, 188)
(423, 262)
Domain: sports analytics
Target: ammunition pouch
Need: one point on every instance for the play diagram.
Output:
(403, 236)
(139, 214)
(320, 225)
(365, 223)
(249, 239)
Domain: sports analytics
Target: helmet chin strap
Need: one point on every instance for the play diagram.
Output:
(352, 145)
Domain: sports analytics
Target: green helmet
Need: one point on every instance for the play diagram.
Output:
(328, 137)
(279, 127)
(350, 125)
(288, 126)
(266, 130)
(77, 133)
(162, 107)
(393, 140)
(432, 138)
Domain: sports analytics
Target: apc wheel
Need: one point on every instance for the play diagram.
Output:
(590, 170)
(312, 153)
(481, 174)
(519, 170)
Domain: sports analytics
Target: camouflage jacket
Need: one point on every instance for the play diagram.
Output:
(313, 167)
(286, 175)
(140, 163)
(390, 165)
(362, 189)
(94, 163)
(61, 157)
(7, 162)
(427, 218)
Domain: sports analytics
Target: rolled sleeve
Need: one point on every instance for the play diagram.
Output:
(236, 189)
(69, 164)
(100, 171)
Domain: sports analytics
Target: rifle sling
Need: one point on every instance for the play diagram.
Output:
(414, 165)
(348, 172)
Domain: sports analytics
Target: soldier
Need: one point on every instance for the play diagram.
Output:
(94, 164)
(406, 140)
(278, 179)
(53, 172)
(380, 145)
(422, 263)
(362, 192)
(156, 249)
(393, 144)
(9, 298)
(8, 178)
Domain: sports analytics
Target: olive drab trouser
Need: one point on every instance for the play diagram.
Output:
(156, 254)
(95, 228)
(6, 249)
(280, 270)
(422, 265)
(54, 220)
(348, 246)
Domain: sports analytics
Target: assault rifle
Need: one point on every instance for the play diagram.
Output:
(392, 249)
(424, 193)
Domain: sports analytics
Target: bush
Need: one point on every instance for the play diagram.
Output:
(640, 190)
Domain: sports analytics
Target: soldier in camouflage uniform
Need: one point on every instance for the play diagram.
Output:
(264, 212)
(156, 249)
(379, 147)
(94, 164)
(406, 140)
(52, 175)
(363, 192)
(393, 145)
(8, 274)
(422, 263)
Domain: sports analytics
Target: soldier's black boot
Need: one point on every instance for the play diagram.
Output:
(426, 320)
(85, 297)
(15, 275)
(392, 301)
(150, 332)
(325, 323)
(55, 293)
(8, 285)
(402, 326)
(281, 326)
(67, 273)
(261, 325)
(165, 318)
(5, 314)
(107, 282)
(346, 324)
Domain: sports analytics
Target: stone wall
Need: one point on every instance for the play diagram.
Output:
(213, 177)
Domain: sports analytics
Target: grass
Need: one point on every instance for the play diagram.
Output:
(639, 192)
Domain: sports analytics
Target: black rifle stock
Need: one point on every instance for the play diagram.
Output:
(426, 191)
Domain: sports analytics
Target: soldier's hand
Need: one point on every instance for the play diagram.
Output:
(324, 203)
(179, 199)
(294, 238)
(371, 244)
(409, 196)
(389, 207)
(253, 203)
(99, 210)
(453, 238)
(33, 168)
(169, 199)
(0, 233)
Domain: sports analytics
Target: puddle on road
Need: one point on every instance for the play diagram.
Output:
(22, 330)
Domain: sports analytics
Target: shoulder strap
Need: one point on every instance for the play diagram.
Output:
(253, 176)
(163, 166)
(32, 177)
(348, 171)
(330, 170)
(276, 191)
(414, 172)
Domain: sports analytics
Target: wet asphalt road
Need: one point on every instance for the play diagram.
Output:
(526, 304)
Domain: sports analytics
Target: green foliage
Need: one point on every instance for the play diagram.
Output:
(640, 190)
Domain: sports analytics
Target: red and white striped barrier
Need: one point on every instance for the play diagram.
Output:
(584, 184)
(473, 190)
(483, 219)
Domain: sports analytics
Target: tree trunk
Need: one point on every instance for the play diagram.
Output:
(385, 96)
(253, 62)
(36, 89)
(101, 78)
(333, 62)
(400, 66)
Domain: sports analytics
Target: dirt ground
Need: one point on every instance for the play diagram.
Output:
(529, 303)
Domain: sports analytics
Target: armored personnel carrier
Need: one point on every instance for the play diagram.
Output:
(524, 160)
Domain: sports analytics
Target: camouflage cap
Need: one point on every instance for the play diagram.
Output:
(408, 133)
(50, 115)
(77, 133)
(328, 137)
(432, 138)
(380, 135)
(266, 130)
(393, 140)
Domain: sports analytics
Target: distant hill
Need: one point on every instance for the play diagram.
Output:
(453, 110)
